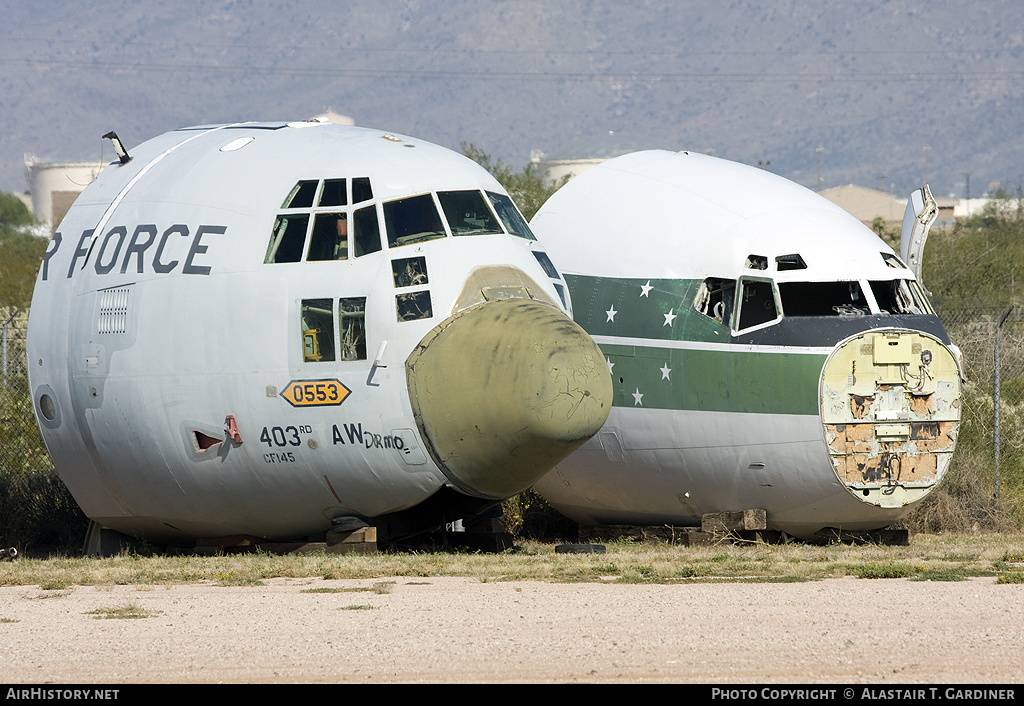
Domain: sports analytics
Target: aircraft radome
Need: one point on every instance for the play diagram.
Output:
(272, 329)
(767, 351)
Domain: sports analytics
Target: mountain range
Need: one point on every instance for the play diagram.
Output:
(886, 94)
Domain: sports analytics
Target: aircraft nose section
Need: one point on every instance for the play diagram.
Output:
(504, 390)
(890, 406)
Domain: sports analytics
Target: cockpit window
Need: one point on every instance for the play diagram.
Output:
(511, 218)
(317, 322)
(756, 262)
(287, 238)
(330, 237)
(468, 213)
(757, 303)
(714, 299)
(892, 261)
(790, 262)
(822, 299)
(900, 296)
(361, 190)
(412, 220)
(301, 195)
(545, 262)
(367, 235)
(334, 193)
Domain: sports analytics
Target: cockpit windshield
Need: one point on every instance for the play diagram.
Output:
(822, 299)
(412, 220)
(900, 296)
(510, 216)
(468, 213)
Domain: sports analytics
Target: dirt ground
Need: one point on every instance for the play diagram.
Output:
(455, 630)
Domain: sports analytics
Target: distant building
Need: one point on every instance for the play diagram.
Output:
(552, 170)
(598, 148)
(867, 204)
(54, 186)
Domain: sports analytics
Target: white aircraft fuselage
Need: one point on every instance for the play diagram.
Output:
(767, 351)
(262, 329)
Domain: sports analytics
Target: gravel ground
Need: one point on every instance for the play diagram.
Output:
(449, 630)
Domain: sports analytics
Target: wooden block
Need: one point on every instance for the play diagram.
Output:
(726, 522)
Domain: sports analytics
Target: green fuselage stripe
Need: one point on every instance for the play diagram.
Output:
(674, 377)
(714, 380)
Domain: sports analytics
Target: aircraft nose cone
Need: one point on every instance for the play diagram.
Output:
(503, 391)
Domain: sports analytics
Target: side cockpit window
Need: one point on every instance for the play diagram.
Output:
(510, 217)
(317, 323)
(352, 328)
(287, 238)
(757, 303)
(316, 224)
(900, 296)
(316, 318)
(301, 195)
(715, 299)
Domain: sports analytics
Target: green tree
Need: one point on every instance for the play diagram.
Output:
(20, 252)
(13, 212)
(526, 187)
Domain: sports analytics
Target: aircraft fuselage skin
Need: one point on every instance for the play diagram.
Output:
(260, 329)
(767, 351)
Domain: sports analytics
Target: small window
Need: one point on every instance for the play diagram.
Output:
(756, 262)
(790, 262)
(334, 193)
(561, 294)
(301, 195)
(714, 299)
(412, 306)
(545, 262)
(757, 303)
(367, 231)
(352, 328)
(409, 272)
(892, 261)
(330, 237)
(361, 190)
(317, 320)
(822, 299)
(511, 218)
(468, 213)
(412, 220)
(287, 238)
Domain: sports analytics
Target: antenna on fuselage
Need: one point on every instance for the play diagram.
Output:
(122, 153)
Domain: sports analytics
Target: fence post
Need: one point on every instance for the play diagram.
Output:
(996, 399)
(4, 337)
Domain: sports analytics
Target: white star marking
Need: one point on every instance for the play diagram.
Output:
(611, 314)
(665, 370)
(610, 364)
(645, 288)
(670, 317)
(637, 396)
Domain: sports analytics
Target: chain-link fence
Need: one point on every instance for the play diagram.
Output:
(985, 483)
(989, 460)
(37, 513)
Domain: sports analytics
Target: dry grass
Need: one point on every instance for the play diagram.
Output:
(928, 557)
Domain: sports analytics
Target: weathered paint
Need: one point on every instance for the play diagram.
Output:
(501, 391)
(890, 406)
(718, 413)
